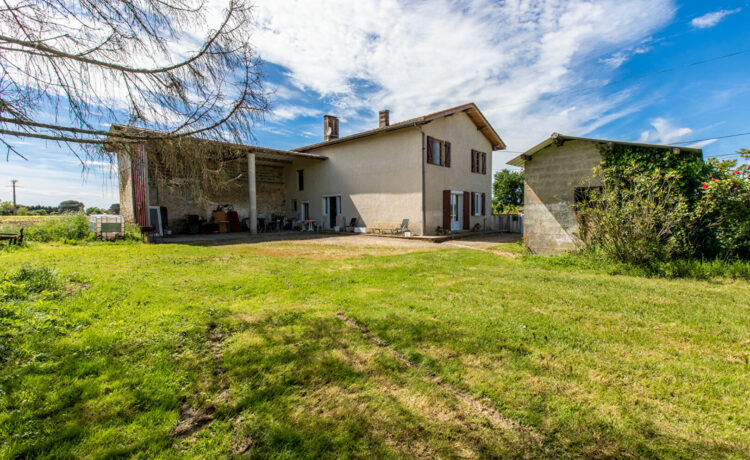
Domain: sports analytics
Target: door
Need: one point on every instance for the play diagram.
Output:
(457, 211)
(305, 210)
(334, 208)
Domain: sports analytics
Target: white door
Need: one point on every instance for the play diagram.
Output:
(457, 203)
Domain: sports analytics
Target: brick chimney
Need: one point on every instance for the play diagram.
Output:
(330, 127)
(384, 118)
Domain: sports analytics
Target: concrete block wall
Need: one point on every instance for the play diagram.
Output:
(551, 177)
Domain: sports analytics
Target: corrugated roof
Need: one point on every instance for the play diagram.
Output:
(471, 110)
(521, 159)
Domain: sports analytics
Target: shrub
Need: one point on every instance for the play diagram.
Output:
(640, 219)
(649, 216)
(70, 227)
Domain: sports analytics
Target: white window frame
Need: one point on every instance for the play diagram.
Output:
(477, 204)
(325, 198)
(438, 155)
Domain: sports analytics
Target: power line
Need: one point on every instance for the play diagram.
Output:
(712, 138)
(633, 77)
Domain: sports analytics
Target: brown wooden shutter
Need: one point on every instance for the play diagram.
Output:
(484, 163)
(466, 210)
(430, 153)
(483, 205)
(447, 163)
(446, 209)
(473, 161)
(472, 203)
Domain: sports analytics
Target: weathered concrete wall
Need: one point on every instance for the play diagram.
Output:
(378, 177)
(464, 136)
(551, 176)
(125, 180)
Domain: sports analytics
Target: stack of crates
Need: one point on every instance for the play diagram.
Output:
(107, 226)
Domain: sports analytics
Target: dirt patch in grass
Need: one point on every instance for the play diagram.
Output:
(477, 406)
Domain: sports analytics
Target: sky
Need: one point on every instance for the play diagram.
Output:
(654, 71)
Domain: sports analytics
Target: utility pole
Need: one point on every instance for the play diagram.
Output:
(14, 195)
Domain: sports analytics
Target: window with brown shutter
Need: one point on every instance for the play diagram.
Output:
(446, 209)
(466, 210)
(483, 204)
(447, 148)
(473, 200)
(429, 149)
(484, 163)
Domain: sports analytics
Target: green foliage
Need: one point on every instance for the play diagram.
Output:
(114, 208)
(6, 208)
(507, 189)
(640, 218)
(71, 206)
(69, 228)
(724, 209)
(94, 210)
(659, 206)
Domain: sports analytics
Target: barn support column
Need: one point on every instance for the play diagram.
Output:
(252, 193)
(139, 171)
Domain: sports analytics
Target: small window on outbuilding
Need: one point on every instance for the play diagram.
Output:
(300, 180)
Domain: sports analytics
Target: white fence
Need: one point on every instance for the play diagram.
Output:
(508, 223)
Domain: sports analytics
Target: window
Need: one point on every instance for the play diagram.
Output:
(436, 147)
(478, 162)
(305, 210)
(300, 180)
(438, 152)
(294, 205)
(477, 204)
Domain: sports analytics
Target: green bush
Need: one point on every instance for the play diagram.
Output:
(70, 227)
(645, 215)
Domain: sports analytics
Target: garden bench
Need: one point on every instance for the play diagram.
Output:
(12, 238)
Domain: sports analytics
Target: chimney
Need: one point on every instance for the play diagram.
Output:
(330, 127)
(384, 118)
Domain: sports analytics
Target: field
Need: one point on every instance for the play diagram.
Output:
(355, 347)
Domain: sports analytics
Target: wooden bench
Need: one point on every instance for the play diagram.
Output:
(12, 238)
(387, 227)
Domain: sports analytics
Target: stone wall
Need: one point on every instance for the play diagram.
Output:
(551, 177)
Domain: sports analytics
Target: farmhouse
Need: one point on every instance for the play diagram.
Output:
(558, 173)
(434, 170)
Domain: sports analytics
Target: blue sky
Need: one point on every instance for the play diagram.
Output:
(628, 70)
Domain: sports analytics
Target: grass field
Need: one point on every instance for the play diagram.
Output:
(286, 350)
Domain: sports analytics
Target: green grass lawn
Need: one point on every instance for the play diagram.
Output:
(177, 350)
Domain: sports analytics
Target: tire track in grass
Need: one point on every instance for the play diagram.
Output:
(479, 406)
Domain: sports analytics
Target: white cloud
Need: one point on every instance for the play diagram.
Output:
(711, 19)
(664, 132)
(416, 57)
(291, 112)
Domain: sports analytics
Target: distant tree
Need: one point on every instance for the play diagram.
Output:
(37, 212)
(94, 210)
(6, 208)
(71, 206)
(22, 211)
(507, 189)
(114, 208)
(69, 67)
